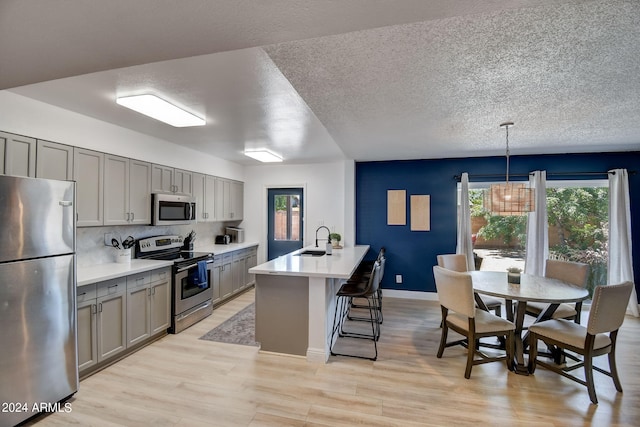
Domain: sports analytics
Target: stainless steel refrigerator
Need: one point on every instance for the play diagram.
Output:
(38, 360)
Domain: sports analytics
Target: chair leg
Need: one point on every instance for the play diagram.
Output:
(471, 351)
(578, 308)
(443, 335)
(533, 352)
(588, 375)
(337, 326)
(613, 369)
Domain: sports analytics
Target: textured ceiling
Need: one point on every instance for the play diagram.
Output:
(369, 80)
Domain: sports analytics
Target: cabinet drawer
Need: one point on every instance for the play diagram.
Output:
(111, 287)
(86, 293)
(226, 258)
(139, 280)
(161, 275)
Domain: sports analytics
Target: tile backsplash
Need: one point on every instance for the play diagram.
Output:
(91, 250)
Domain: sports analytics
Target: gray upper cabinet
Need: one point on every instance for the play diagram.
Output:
(237, 200)
(183, 182)
(54, 161)
(161, 179)
(88, 172)
(127, 188)
(140, 192)
(229, 200)
(204, 192)
(18, 155)
(169, 180)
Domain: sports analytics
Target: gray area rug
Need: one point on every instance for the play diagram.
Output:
(238, 329)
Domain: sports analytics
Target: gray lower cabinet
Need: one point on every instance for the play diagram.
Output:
(238, 270)
(54, 161)
(117, 314)
(87, 327)
(102, 317)
(17, 155)
(243, 260)
(215, 279)
(225, 275)
(148, 299)
(230, 272)
(112, 318)
(251, 260)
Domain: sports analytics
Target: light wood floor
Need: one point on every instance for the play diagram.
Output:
(183, 381)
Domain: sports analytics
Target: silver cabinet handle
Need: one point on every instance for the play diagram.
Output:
(65, 203)
(94, 309)
(128, 215)
(133, 216)
(100, 307)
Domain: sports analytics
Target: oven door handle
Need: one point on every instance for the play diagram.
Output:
(191, 266)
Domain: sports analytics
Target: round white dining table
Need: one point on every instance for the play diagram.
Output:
(531, 288)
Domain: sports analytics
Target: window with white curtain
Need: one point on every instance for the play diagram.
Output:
(578, 221)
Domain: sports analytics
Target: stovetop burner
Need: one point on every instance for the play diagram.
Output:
(178, 256)
(167, 248)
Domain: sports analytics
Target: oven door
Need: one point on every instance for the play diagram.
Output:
(188, 290)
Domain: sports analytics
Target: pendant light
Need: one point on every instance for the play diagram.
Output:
(508, 198)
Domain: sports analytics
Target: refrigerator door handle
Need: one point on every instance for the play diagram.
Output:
(65, 203)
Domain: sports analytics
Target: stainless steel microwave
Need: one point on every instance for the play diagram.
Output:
(172, 209)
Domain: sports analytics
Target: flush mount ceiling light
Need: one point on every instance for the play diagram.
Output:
(508, 198)
(159, 109)
(263, 155)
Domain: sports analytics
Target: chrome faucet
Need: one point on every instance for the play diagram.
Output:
(328, 233)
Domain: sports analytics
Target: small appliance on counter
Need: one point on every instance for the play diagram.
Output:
(223, 239)
(237, 234)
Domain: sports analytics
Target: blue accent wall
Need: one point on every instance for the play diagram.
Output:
(413, 253)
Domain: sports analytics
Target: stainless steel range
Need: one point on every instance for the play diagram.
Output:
(191, 299)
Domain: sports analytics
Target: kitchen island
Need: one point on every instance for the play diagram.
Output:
(295, 300)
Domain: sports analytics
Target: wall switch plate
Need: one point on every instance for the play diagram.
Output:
(398, 278)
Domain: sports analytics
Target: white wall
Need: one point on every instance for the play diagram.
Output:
(328, 198)
(36, 119)
(329, 187)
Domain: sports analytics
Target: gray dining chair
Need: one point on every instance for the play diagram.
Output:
(459, 312)
(597, 338)
(575, 273)
(458, 262)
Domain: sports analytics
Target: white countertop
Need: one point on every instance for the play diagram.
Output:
(341, 264)
(101, 272)
(221, 249)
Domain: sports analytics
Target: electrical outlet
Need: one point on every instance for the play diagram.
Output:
(398, 278)
(107, 238)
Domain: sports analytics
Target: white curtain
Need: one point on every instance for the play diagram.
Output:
(537, 250)
(620, 267)
(464, 244)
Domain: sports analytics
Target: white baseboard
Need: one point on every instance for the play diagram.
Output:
(396, 293)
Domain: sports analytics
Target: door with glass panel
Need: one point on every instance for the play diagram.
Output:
(284, 232)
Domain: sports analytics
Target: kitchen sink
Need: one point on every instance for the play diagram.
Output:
(311, 252)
